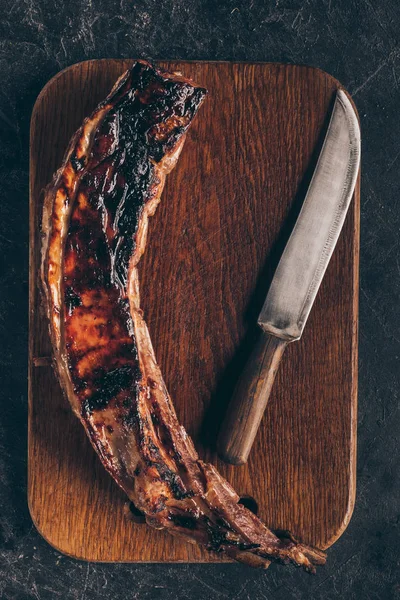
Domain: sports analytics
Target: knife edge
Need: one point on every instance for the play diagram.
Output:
(316, 231)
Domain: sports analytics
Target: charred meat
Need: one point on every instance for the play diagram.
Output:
(95, 220)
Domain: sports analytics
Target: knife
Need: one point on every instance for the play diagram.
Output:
(297, 278)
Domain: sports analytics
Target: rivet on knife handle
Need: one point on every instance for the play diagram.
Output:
(298, 276)
(250, 399)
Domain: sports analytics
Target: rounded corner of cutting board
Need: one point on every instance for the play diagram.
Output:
(348, 514)
(47, 86)
(337, 84)
(79, 66)
(85, 554)
(314, 79)
(46, 535)
(342, 528)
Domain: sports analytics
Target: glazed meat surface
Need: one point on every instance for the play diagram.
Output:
(94, 232)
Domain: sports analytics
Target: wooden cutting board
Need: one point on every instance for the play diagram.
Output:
(215, 240)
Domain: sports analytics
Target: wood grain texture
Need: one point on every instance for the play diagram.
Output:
(214, 242)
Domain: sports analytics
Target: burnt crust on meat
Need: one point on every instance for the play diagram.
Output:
(94, 228)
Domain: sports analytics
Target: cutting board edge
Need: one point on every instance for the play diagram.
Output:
(352, 491)
(58, 548)
(354, 396)
(53, 79)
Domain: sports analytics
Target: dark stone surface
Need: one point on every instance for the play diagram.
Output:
(357, 41)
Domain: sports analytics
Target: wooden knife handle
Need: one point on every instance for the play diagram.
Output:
(249, 400)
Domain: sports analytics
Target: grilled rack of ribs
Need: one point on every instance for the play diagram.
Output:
(94, 230)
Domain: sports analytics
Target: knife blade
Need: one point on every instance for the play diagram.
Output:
(297, 278)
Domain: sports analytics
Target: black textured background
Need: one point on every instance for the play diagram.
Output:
(357, 41)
